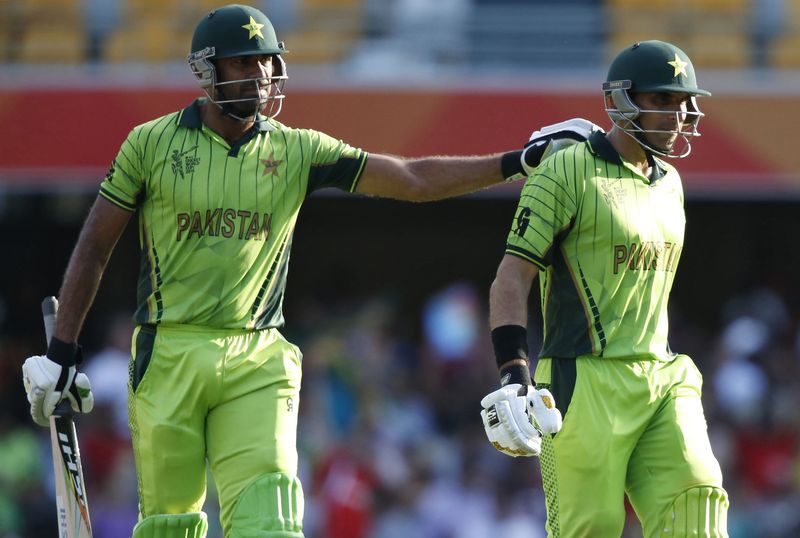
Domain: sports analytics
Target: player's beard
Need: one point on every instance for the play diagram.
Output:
(664, 142)
(667, 143)
(248, 108)
(245, 109)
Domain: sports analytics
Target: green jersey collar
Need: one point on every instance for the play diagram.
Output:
(190, 117)
(601, 147)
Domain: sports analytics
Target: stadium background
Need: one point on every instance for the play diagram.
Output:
(388, 299)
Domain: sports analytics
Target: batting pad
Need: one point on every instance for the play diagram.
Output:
(698, 512)
(194, 525)
(270, 507)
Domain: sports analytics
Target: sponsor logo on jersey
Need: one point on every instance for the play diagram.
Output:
(183, 163)
(612, 190)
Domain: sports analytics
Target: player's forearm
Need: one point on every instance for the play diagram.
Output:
(508, 313)
(508, 296)
(436, 178)
(78, 290)
(444, 177)
(97, 240)
(508, 303)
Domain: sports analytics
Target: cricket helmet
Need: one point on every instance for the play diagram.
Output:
(652, 66)
(237, 30)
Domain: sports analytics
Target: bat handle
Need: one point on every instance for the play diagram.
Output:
(64, 409)
(49, 312)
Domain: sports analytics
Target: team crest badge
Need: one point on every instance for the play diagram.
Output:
(253, 28)
(679, 66)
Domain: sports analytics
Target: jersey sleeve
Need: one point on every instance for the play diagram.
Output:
(125, 179)
(546, 211)
(335, 164)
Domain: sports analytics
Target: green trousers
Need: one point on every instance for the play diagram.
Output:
(226, 397)
(631, 427)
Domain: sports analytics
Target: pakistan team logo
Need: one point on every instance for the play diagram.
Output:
(183, 163)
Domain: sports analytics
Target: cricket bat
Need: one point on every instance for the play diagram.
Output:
(73, 509)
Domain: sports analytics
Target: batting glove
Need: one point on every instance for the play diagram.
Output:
(47, 383)
(515, 416)
(553, 138)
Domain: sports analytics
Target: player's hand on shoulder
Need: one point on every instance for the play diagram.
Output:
(515, 416)
(47, 382)
(552, 138)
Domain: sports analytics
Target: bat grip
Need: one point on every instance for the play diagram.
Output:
(49, 312)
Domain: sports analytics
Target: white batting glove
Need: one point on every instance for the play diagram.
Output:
(552, 138)
(515, 417)
(47, 383)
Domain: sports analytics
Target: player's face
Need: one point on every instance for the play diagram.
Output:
(247, 78)
(663, 117)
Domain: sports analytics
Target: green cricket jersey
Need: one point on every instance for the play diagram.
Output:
(215, 220)
(607, 240)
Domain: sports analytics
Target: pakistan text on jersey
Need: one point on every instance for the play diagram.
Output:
(225, 222)
(648, 256)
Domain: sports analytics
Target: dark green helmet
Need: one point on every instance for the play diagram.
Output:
(236, 30)
(652, 66)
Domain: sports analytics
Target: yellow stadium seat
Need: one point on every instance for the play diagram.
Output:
(148, 42)
(793, 17)
(785, 53)
(54, 5)
(722, 5)
(47, 44)
(640, 4)
(66, 12)
(724, 51)
(161, 30)
(640, 21)
(331, 3)
(623, 40)
(319, 46)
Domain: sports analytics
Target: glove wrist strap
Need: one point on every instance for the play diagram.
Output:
(533, 152)
(64, 353)
(510, 343)
(511, 165)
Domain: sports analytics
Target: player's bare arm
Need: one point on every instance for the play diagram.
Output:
(508, 296)
(99, 235)
(434, 178)
(515, 415)
(429, 178)
(50, 378)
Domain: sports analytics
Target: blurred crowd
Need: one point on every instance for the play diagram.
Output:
(390, 438)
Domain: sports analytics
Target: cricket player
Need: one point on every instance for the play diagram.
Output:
(217, 187)
(614, 410)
